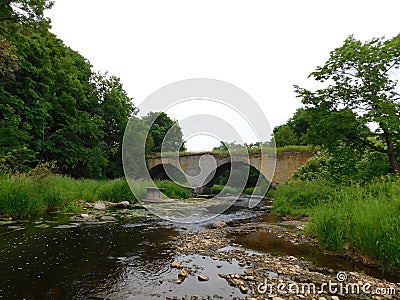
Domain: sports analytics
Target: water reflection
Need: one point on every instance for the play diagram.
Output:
(78, 262)
(56, 258)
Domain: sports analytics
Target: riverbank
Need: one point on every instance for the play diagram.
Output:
(39, 191)
(109, 251)
(255, 247)
(362, 219)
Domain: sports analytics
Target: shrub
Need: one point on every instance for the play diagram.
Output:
(20, 197)
(115, 191)
(174, 190)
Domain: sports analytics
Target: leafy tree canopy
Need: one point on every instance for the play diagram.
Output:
(361, 92)
(164, 134)
(28, 12)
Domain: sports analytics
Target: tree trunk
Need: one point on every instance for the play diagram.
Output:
(394, 163)
(391, 152)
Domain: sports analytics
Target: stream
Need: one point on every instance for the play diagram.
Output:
(56, 257)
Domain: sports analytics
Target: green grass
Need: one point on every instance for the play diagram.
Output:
(225, 190)
(219, 153)
(173, 190)
(365, 218)
(24, 195)
(301, 198)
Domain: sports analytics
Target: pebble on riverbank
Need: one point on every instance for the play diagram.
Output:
(216, 243)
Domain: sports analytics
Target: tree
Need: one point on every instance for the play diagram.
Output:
(160, 124)
(29, 12)
(115, 108)
(299, 123)
(284, 135)
(362, 90)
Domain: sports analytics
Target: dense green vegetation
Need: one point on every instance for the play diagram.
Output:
(35, 192)
(349, 190)
(362, 218)
(55, 108)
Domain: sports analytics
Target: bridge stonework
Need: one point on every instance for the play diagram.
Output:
(287, 162)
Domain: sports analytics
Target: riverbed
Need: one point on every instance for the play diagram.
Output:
(129, 254)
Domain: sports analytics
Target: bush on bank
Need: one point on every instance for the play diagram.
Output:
(365, 218)
(23, 195)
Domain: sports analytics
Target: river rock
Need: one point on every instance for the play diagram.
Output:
(182, 273)
(122, 205)
(243, 289)
(203, 277)
(108, 218)
(99, 206)
(249, 271)
(42, 226)
(66, 226)
(219, 224)
(176, 264)
(15, 227)
(266, 208)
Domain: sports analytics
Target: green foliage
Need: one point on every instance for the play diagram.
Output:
(361, 90)
(248, 191)
(115, 191)
(53, 107)
(8, 59)
(115, 108)
(293, 132)
(365, 217)
(301, 197)
(284, 135)
(225, 190)
(174, 190)
(20, 196)
(344, 165)
(164, 134)
(29, 12)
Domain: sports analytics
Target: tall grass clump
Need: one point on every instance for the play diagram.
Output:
(300, 198)
(225, 189)
(20, 196)
(369, 225)
(115, 191)
(174, 190)
(363, 218)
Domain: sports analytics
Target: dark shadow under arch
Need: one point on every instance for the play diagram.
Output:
(161, 171)
(237, 166)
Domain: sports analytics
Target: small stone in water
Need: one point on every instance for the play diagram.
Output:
(203, 277)
(243, 289)
(108, 218)
(42, 226)
(176, 264)
(182, 273)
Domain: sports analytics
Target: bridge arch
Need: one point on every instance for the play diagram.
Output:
(240, 166)
(161, 171)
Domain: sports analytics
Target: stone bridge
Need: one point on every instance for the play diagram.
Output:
(276, 169)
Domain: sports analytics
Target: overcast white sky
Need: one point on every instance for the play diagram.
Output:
(261, 46)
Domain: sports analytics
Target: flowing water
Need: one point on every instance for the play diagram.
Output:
(56, 258)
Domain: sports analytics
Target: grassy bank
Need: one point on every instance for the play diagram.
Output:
(238, 151)
(24, 195)
(364, 218)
